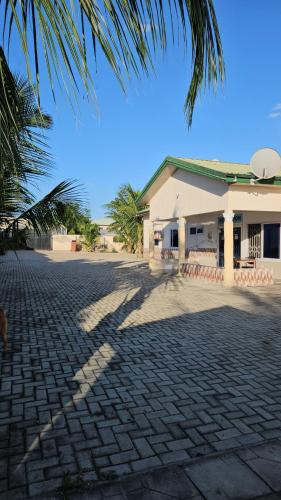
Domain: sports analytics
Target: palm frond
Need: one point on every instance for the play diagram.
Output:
(23, 147)
(25, 157)
(127, 33)
(48, 212)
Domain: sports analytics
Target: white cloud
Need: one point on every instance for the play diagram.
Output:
(277, 107)
(275, 111)
(275, 114)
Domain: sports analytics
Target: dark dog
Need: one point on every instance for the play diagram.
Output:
(4, 328)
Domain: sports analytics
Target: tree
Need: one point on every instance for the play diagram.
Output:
(24, 157)
(126, 33)
(75, 218)
(91, 233)
(127, 222)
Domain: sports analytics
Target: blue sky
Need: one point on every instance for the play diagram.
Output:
(127, 139)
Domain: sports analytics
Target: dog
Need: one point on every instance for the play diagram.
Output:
(4, 328)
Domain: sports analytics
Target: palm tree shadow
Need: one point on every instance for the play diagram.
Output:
(91, 377)
(56, 306)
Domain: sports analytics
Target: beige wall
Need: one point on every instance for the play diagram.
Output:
(186, 193)
(253, 197)
(108, 240)
(63, 242)
(272, 264)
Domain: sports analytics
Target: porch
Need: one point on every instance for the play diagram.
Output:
(234, 248)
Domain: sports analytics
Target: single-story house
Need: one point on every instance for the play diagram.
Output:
(214, 220)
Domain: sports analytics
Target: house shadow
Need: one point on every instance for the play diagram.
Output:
(80, 386)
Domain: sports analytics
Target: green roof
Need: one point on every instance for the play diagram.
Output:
(219, 166)
(230, 173)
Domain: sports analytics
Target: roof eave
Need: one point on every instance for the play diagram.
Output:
(184, 165)
(228, 178)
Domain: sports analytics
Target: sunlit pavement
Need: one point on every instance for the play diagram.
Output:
(111, 371)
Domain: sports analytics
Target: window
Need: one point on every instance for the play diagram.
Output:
(174, 238)
(198, 230)
(271, 241)
(156, 243)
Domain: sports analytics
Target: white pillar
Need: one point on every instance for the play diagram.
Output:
(182, 239)
(228, 249)
(151, 239)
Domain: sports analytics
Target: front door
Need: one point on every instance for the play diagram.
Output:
(236, 244)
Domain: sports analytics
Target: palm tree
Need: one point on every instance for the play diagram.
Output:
(127, 222)
(91, 234)
(24, 157)
(126, 33)
(76, 218)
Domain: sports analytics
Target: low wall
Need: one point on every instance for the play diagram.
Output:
(208, 273)
(108, 240)
(242, 277)
(63, 241)
(272, 264)
(202, 256)
(253, 277)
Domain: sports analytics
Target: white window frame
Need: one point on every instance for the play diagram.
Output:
(270, 259)
(265, 259)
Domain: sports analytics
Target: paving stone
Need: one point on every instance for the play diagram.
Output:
(49, 448)
(84, 460)
(269, 451)
(106, 359)
(124, 456)
(144, 494)
(218, 479)
(36, 489)
(180, 444)
(268, 470)
(145, 464)
(174, 456)
(229, 433)
(143, 448)
(116, 470)
(172, 482)
(14, 494)
(124, 442)
(35, 476)
(91, 495)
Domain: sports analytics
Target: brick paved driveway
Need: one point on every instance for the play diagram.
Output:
(112, 371)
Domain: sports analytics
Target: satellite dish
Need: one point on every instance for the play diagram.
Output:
(266, 163)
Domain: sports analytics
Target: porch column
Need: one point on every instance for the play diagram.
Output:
(228, 248)
(151, 239)
(182, 238)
